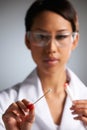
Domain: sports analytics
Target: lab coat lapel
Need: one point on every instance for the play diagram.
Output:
(67, 118)
(42, 111)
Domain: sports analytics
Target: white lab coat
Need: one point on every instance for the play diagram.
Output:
(31, 90)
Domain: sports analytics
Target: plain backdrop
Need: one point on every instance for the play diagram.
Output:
(15, 59)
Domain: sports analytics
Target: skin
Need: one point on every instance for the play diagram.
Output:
(80, 108)
(18, 116)
(51, 73)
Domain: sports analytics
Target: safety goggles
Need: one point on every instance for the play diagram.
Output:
(42, 39)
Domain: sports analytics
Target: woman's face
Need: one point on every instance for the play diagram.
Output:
(52, 57)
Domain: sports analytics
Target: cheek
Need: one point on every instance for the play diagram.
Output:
(66, 55)
(36, 54)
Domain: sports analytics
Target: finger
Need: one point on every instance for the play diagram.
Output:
(78, 106)
(31, 117)
(82, 118)
(29, 105)
(10, 117)
(80, 112)
(79, 101)
(25, 102)
(11, 107)
(14, 109)
(22, 107)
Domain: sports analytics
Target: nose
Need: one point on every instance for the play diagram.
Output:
(52, 46)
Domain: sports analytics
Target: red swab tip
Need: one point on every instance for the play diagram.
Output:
(30, 106)
(65, 85)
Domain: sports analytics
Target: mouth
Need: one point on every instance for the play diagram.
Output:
(51, 61)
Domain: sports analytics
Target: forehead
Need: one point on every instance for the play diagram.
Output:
(50, 21)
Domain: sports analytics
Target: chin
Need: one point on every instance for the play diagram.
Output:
(52, 70)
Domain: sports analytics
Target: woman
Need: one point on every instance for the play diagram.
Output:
(51, 35)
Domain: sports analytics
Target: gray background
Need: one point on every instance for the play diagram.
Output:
(15, 59)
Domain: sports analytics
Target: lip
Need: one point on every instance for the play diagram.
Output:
(51, 61)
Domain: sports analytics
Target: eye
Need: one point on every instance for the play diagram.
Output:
(41, 37)
(61, 37)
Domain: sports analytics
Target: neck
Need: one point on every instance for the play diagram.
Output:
(54, 80)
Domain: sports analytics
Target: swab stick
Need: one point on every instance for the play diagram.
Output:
(49, 90)
(68, 91)
(31, 106)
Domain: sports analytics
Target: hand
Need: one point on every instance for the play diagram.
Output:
(80, 108)
(18, 116)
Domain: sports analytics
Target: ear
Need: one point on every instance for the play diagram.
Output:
(75, 41)
(27, 42)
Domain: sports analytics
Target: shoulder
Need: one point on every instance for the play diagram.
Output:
(77, 85)
(7, 97)
(75, 79)
(18, 91)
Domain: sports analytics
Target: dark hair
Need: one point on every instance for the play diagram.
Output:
(61, 7)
